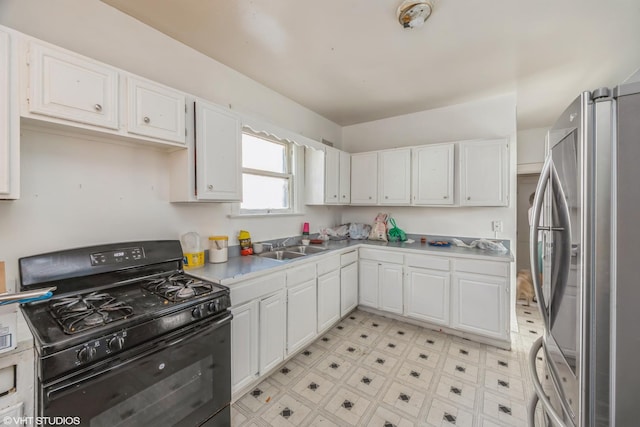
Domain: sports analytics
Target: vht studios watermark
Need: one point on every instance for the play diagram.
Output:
(41, 421)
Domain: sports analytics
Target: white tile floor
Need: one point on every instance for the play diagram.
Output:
(373, 371)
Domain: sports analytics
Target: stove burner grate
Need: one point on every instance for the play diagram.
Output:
(178, 287)
(81, 312)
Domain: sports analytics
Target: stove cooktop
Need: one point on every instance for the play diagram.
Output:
(67, 320)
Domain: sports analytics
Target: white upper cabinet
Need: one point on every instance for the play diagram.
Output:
(218, 153)
(71, 87)
(345, 178)
(332, 176)
(155, 110)
(484, 173)
(9, 121)
(432, 175)
(364, 179)
(327, 176)
(394, 177)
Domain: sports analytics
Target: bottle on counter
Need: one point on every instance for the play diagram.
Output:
(192, 250)
(245, 243)
(218, 249)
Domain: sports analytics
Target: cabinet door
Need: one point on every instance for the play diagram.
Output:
(331, 175)
(427, 295)
(390, 285)
(394, 177)
(72, 87)
(479, 305)
(272, 331)
(345, 178)
(432, 171)
(244, 345)
(156, 111)
(368, 283)
(484, 173)
(348, 288)
(9, 121)
(218, 153)
(301, 315)
(328, 300)
(364, 179)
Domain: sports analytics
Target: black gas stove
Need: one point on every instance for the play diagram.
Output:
(115, 305)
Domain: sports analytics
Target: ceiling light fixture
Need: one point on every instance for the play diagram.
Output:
(414, 13)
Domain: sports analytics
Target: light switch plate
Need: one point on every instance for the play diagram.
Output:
(496, 226)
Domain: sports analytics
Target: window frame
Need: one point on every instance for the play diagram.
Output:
(290, 175)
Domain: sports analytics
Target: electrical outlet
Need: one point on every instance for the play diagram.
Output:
(496, 226)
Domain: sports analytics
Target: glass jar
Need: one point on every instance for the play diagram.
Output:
(218, 249)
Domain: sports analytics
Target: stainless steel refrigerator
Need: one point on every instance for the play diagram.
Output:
(585, 259)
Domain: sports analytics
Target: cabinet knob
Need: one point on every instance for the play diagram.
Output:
(469, 198)
(98, 107)
(335, 196)
(370, 197)
(386, 197)
(210, 187)
(344, 197)
(445, 197)
(146, 120)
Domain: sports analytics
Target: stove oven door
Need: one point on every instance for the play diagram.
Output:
(182, 379)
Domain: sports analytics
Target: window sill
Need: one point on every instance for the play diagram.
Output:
(264, 215)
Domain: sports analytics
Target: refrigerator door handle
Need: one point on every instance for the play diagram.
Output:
(540, 396)
(545, 177)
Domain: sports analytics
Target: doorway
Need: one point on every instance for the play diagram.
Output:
(525, 187)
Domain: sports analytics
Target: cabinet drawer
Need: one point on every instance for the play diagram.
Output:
(328, 264)
(482, 267)
(301, 274)
(348, 258)
(431, 262)
(255, 288)
(378, 255)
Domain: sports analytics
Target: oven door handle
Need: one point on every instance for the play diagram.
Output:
(68, 386)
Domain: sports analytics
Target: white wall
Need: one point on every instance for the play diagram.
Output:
(531, 147)
(488, 118)
(76, 191)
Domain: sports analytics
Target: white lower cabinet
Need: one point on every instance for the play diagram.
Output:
(244, 344)
(368, 283)
(427, 295)
(380, 285)
(328, 300)
(390, 287)
(301, 315)
(272, 331)
(479, 304)
(348, 288)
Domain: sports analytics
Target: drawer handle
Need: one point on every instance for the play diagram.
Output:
(98, 107)
(146, 120)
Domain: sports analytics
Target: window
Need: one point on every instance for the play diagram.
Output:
(267, 178)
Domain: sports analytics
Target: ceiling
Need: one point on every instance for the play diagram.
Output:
(351, 61)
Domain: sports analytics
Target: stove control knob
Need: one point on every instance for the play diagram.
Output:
(213, 306)
(115, 343)
(86, 354)
(198, 312)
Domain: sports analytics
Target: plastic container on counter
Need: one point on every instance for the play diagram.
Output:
(218, 249)
(192, 250)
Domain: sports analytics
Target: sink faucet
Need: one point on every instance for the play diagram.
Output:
(283, 243)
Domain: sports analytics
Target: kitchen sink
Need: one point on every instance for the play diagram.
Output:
(281, 255)
(308, 250)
